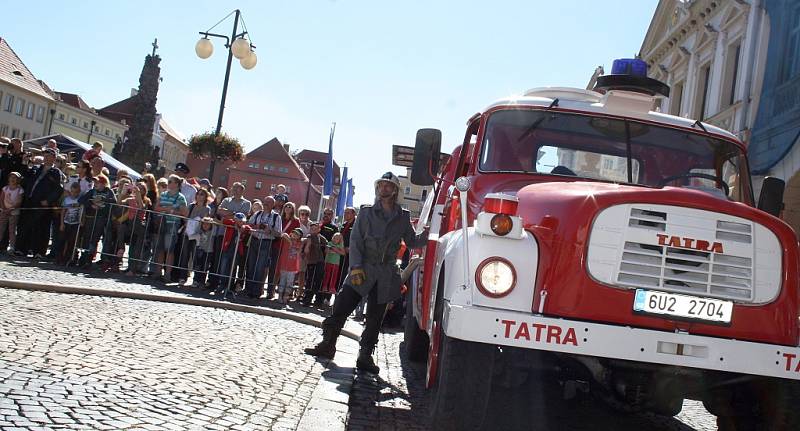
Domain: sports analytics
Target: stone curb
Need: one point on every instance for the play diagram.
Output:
(174, 299)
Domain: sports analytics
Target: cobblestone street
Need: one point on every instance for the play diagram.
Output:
(80, 362)
(73, 361)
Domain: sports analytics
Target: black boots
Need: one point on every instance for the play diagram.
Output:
(327, 347)
(365, 362)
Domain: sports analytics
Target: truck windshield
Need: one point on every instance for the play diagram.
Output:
(620, 151)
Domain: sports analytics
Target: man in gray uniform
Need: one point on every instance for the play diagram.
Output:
(374, 274)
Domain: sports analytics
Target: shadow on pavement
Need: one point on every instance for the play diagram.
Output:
(398, 399)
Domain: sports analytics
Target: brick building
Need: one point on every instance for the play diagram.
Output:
(262, 169)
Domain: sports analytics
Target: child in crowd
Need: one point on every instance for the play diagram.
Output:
(97, 150)
(71, 214)
(256, 206)
(333, 257)
(9, 209)
(289, 263)
(313, 246)
(203, 247)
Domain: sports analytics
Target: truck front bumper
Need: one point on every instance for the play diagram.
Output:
(509, 328)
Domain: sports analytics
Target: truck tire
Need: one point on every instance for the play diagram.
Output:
(416, 340)
(773, 408)
(464, 380)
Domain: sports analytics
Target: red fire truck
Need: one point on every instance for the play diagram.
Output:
(617, 248)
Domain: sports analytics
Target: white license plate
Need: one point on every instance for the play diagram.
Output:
(683, 306)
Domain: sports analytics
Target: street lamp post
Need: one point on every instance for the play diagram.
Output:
(238, 47)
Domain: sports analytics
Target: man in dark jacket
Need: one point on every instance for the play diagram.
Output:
(374, 274)
(43, 190)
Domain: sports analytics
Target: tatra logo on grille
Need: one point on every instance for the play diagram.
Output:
(690, 243)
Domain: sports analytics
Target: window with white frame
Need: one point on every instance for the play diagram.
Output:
(31, 111)
(675, 99)
(3, 129)
(14, 133)
(701, 98)
(85, 124)
(40, 114)
(61, 116)
(258, 185)
(108, 132)
(731, 75)
(8, 103)
(19, 107)
(74, 121)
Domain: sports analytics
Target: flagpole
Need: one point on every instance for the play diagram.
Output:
(319, 210)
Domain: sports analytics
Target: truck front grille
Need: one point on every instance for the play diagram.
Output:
(686, 271)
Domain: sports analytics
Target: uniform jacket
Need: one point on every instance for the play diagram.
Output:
(374, 243)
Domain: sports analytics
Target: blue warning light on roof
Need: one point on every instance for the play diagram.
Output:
(629, 66)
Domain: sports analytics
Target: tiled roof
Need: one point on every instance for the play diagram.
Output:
(14, 71)
(122, 110)
(75, 101)
(320, 158)
(275, 151)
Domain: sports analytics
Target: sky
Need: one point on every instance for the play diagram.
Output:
(380, 70)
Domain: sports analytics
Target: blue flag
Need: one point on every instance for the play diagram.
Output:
(327, 188)
(350, 191)
(342, 200)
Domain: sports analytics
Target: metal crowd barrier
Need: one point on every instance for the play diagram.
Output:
(145, 238)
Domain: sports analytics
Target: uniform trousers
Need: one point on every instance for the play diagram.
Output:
(346, 301)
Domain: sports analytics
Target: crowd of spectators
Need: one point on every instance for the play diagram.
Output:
(179, 229)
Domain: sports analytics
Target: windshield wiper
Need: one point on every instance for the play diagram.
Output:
(536, 123)
(700, 125)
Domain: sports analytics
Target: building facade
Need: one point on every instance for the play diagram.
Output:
(76, 119)
(736, 64)
(173, 148)
(25, 104)
(710, 54)
(261, 171)
(412, 197)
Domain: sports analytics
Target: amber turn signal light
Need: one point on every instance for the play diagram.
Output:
(502, 224)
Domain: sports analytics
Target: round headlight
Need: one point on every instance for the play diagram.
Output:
(501, 224)
(495, 277)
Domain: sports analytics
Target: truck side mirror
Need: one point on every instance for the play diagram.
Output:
(771, 198)
(426, 157)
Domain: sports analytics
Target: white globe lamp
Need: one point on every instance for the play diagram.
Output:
(240, 48)
(204, 48)
(250, 61)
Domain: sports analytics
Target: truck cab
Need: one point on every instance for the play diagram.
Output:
(584, 232)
